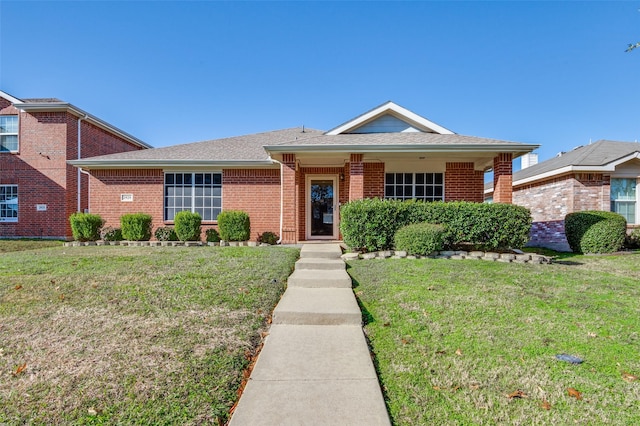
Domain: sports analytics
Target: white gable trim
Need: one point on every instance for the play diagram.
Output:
(10, 98)
(610, 167)
(395, 110)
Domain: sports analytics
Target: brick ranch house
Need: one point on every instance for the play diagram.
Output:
(38, 189)
(293, 181)
(600, 176)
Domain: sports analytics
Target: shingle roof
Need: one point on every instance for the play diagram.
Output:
(42, 100)
(409, 138)
(597, 154)
(238, 148)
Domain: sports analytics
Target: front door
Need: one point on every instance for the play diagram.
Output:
(322, 208)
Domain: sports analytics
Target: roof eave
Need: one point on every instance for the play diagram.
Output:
(156, 164)
(67, 107)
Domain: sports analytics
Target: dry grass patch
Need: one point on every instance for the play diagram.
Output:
(132, 335)
(472, 342)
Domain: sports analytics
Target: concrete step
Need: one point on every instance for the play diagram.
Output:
(321, 251)
(310, 278)
(317, 306)
(320, 264)
(312, 375)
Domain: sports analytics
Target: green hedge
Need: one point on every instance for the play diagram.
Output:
(187, 226)
(111, 234)
(371, 224)
(136, 226)
(85, 226)
(420, 239)
(595, 231)
(234, 225)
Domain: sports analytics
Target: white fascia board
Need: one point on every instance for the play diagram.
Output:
(400, 148)
(146, 164)
(10, 98)
(610, 167)
(67, 107)
(400, 112)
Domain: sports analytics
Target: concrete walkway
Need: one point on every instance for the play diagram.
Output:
(315, 367)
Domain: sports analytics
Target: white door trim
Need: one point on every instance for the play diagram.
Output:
(336, 196)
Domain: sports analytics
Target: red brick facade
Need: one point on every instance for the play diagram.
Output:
(551, 200)
(39, 169)
(256, 192)
(463, 183)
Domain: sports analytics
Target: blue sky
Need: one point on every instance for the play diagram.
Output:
(545, 72)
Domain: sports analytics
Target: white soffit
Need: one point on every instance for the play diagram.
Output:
(395, 110)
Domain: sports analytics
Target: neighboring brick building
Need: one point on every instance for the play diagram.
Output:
(38, 189)
(599, 176)
(293, 181)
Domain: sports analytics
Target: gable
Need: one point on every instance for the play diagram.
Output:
(388, 118)
(385, 124)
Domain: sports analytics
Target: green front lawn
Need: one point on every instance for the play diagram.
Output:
(132, 335)
(454, 341)
(7, 246)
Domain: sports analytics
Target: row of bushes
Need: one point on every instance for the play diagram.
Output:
(233, 225)
(371, 224)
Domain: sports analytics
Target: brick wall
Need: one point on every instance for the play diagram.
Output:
(373, 180)
(256, 192)
(463, 183)
(551, 200)
(47, 140)
(146, 186)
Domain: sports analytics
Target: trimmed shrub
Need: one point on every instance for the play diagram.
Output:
(212, 235)
(595, 231)
(136, 226)
(165, 233)
(85, 226)
(270, 238)
(234, 225)
(111, 234)
(632, 240)
(187, 226)
(371, 224)
(420, 239)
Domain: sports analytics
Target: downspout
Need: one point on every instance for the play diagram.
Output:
(79, 149)
(88, 189)
(281, 197)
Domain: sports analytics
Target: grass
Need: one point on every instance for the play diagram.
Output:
(7, 246)
(453, 339)
(127, 335)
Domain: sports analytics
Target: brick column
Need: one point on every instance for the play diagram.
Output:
(289, 199)
(502, 178)
(356, 177)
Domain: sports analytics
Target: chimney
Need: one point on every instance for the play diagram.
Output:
(528, 160)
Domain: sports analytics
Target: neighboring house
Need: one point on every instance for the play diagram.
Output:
(38, 189)
(600, 176)
(293, 181)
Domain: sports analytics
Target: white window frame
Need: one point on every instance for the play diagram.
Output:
(16, 134)
(413, 185)
(192, 197)
(4, 202)
(635, 202)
